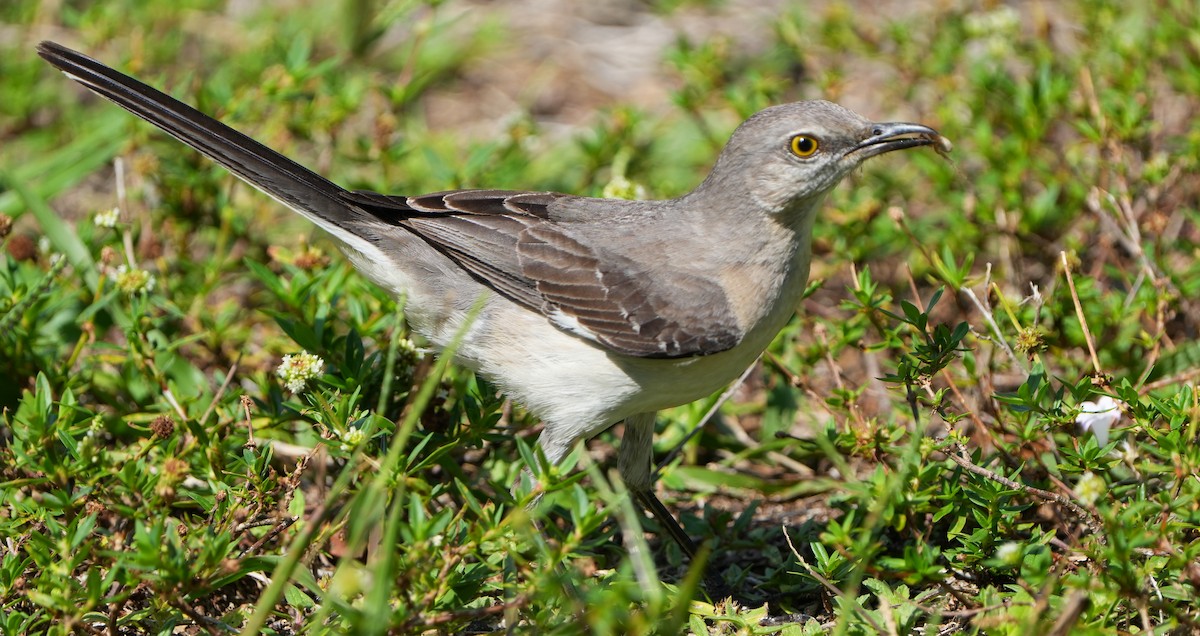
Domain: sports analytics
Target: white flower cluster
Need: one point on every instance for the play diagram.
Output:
(1002, 21)
(994, 30)
(351, 438)
(297, 370)
(132, 281)
(1090, 488)
(622, 188)
(107, 218)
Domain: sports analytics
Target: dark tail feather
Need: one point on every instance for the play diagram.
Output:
(283, 179)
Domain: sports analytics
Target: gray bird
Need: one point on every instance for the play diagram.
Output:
(593, 311)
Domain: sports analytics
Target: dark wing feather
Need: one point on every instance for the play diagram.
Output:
(486, 247)
(507, 241)
(618, 303)
(473, 228)
(503, 202)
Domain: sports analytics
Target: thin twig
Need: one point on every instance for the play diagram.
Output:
(962, 399)
(211, 625)
(775, 457)
(830, 587)
(246, 402)
(280, 527)
(1178, 378)
(1087, 333)
(426, 622)
(170, 397)
(1094, 523)
(991, 321)
(1069, 615)
(114, 610)
(212, 406)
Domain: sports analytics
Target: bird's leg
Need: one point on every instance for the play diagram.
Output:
(633, 462)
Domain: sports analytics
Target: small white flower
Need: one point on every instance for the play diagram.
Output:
(622, 188)
(44, 245)
(1003, 21)
(1090, 488)
(993, 32)
(108, 218)
(407, 346)
(1129, 453)
(132, 281)
(1098, 417)
(1035, 296)
(1009, 553)
(296, 370)
(352, 437)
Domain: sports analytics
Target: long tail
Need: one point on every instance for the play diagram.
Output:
(283, 179)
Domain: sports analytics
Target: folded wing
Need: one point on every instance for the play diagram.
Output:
(509, 241)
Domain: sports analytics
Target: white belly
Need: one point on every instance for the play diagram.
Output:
(579, 389)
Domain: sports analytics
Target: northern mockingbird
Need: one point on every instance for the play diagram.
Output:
(593, 310)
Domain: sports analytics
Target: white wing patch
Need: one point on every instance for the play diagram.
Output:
(571, 324)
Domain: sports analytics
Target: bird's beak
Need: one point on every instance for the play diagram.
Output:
(887, 137)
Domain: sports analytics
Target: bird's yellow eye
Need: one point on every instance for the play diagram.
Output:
(804, 146)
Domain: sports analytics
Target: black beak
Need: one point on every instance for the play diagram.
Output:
(887, 137)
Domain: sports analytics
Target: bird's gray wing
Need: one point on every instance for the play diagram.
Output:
(509, 241)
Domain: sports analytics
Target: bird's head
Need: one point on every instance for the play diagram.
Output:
(785, 158)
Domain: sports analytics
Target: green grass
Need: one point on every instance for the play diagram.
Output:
(905, 459)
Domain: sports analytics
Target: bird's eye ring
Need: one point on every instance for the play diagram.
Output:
(805, 146)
